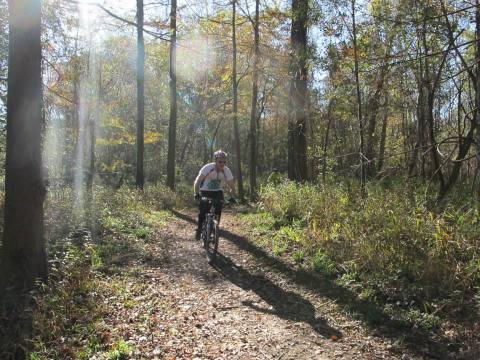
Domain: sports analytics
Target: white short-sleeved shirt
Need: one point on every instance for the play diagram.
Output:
(215, 181)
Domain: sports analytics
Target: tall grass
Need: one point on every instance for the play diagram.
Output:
(64, 317)
(394, 237)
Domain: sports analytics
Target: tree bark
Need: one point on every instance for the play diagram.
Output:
(93, 129)
(253, 112)
(241, 193)
(71, 164)
(298, 92)
(477, 85)
(140, 177)
(191, 129)
(359, 101)
(431, 86)
(23, 250)
(383, 137)
(326, 141)
(172, 126)
(372, 110)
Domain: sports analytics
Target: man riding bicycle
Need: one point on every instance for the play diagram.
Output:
(210, 182)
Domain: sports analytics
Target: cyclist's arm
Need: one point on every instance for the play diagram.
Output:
(196, 184)
(231, 187)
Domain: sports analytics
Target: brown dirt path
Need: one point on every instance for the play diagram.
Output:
(248, 305)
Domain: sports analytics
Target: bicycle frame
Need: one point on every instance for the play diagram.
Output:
(210, 230)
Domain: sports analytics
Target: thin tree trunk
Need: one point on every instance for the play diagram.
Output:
(172, 126)
(431, 87)
(140, 177)
(93, 129)
(383, 136)
(188, 140)
(291, 150)
(23, 248)
(71, 164)
(477, 84)
(372, 109)
(462, 152)
(253, 112)
(325, 143)
(241, 194)
(359, 101)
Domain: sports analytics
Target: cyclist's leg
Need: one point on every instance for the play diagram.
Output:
(203, 208)
(218, 204)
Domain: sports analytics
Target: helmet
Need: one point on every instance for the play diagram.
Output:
(220, 154)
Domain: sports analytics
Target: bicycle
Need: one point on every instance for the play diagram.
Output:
(210, 229)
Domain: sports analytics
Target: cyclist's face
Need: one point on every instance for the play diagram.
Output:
(221, 163)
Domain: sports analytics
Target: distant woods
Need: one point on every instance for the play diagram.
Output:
(320, 90)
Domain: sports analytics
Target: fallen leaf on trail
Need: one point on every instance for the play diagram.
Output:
(334, 338)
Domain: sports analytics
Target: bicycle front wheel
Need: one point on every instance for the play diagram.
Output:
(211, 241)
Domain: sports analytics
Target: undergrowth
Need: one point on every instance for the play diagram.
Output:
(394, 247)
(111, 232)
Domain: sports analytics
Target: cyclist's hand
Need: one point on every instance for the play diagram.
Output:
(197, 196)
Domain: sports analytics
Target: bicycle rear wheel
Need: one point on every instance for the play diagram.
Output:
(210, 243)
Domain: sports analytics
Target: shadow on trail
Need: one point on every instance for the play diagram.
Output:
(284, 304)
(372, 315)
(15, 323)
(418, 341)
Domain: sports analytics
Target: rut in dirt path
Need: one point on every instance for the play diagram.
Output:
(258, 307)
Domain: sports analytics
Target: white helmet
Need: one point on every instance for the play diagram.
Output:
(220, 154)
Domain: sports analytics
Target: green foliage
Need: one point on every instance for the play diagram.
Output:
(70, 309)
(67, 307)
(120, 351)
(298, 256)
(394, 239)
(323, 264)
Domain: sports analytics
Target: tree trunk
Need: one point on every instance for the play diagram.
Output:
(383, 137)
(253, 112)
(71, 164)
(477, 84)
(235, 104)
(140, 177)
(23, 250)
(172, 126)
(359, 101)
(430, 120)
(372, 110)
(325, 142)
(188, 141)
(298, 90)
(93, 129)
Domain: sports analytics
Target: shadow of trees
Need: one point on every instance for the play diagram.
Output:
(418, 341)
(15, 323)
(287, 305)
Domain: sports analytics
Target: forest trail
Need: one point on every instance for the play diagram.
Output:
(242, 307)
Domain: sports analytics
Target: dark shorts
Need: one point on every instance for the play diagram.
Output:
(204, 206)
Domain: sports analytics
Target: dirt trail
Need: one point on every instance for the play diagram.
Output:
(247, 306)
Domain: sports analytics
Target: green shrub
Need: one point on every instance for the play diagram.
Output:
(394, 237)
(323, 264)
(120, 351)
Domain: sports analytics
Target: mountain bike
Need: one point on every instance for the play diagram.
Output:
(211, 228)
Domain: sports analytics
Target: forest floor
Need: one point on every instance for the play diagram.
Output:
(143, 289)
(248, 305)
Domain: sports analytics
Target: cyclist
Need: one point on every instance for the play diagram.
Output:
(275, 178)
(210, 182)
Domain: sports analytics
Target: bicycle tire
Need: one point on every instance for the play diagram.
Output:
(210, 243)
(203, 234)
